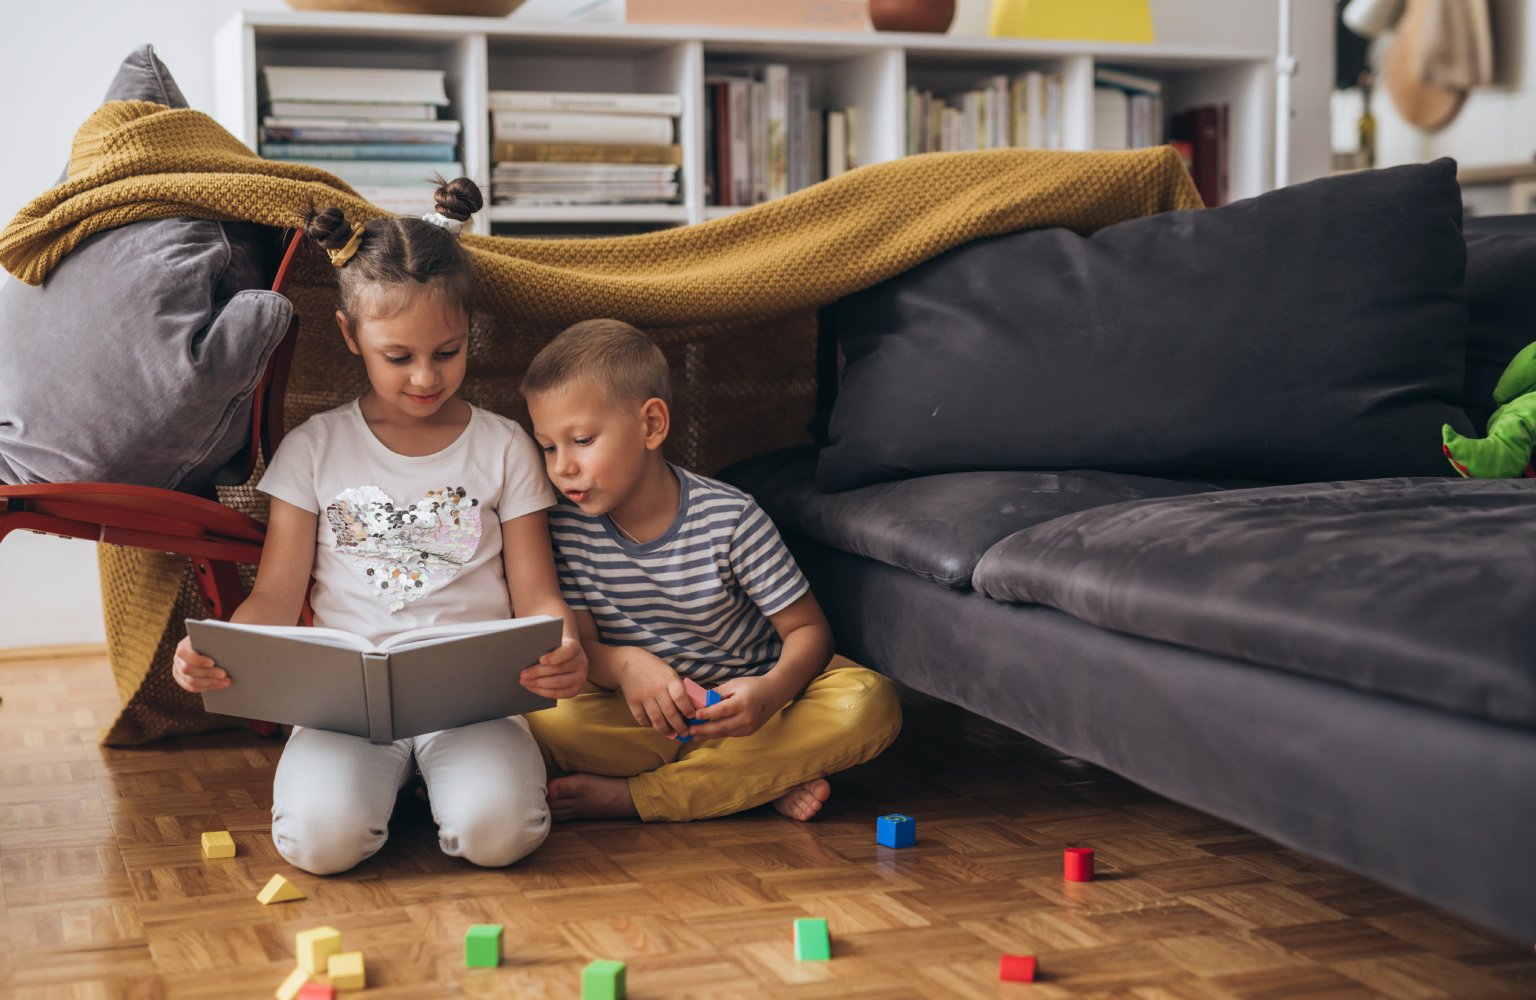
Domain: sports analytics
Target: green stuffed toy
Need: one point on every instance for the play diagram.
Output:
(1506, 452)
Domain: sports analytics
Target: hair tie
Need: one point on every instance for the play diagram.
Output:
(454, 226)
(340, 257)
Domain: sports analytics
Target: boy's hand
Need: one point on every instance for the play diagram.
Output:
(655, 693)
(194, 671)
(746, 703)
(560, 673)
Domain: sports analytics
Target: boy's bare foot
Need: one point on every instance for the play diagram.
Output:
(804, 801)
(590, 796)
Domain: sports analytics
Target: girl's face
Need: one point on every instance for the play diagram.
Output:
(415, 358)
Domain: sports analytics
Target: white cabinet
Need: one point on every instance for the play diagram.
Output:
(870, 72)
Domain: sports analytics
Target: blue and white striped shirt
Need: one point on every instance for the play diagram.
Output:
(698, 597)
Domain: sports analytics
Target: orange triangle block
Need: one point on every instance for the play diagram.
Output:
(279, 890)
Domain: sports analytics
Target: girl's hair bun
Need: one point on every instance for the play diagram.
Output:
(328, 229)
(459, 198)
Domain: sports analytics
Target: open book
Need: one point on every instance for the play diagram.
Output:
(420, 681)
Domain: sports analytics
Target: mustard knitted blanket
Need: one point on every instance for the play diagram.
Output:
(733, 298)
(134, 160)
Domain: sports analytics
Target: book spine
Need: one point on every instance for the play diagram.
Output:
(613, 104)
(335, 134)
(385, 173)
(776, 85)
(381, 721)
(799, 121)
(418, 152)
(507, 151)
(741, 142)
(553, 126)
(352, 109)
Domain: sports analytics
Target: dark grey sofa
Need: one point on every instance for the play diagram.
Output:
(1346, 666)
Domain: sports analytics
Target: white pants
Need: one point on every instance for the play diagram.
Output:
(333, 794)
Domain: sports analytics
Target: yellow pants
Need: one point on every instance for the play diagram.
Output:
(844, 717)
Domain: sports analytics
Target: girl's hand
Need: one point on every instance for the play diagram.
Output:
(194, 671)
(655, 693)
(746, 703)
(560, 673)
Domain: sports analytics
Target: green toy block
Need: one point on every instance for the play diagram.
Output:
(482, 946)
(811, 941)
(602, 980)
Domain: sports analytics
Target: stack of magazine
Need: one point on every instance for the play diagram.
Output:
(557, 148)
(376, 129)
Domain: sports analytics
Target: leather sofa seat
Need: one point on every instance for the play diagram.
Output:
(1360, 583)
(935, 526)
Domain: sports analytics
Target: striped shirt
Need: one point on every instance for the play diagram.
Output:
(699, 596)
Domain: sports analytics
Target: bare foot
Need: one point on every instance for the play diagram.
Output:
(804, 801)
(590, 796)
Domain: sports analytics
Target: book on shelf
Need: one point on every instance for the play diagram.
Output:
(421, 681)
(386, 173)
(557, 126)
(776, 130)
(1111, 118)
(999, 111)
(586, 196)
(588, 103)
(1206, 129)
(1110, 76)
(837, 143)
(512, 151)
(278, 129)
(420, 152)
(567, 172)
(400, 199)
(352, 109)
(352, 84)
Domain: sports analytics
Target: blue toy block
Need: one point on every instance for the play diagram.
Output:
(711, 697)
(896, 830)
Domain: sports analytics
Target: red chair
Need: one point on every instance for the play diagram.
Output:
(216, 538)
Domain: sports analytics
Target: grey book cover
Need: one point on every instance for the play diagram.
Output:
(420, 681)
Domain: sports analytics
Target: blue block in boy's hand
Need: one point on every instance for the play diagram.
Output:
(896, 830)
(701, 697)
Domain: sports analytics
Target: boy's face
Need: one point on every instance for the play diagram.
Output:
(597, 450)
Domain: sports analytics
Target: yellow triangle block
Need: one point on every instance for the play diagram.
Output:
(290, 987)
(1085, 20)
(279, 890)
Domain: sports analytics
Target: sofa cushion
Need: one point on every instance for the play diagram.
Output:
(934, 526)
(165, 343)
(1315, 332)
(1501, 295)
(1417, 588)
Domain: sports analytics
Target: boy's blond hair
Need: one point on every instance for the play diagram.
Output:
(619, 359)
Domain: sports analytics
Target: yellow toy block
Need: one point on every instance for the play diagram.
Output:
(315, 946)
(279, 890)
(346, 970)
(218, 845)
(291, 986)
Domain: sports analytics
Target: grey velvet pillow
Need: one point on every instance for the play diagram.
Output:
(136, 359)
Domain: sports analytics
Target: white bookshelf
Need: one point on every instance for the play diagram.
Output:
(868, 71)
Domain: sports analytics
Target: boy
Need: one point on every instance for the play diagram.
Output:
(673, 575)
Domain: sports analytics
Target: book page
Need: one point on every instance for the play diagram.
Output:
(430, 634)
(304, 633)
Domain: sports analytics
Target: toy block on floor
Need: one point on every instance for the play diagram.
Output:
(896, 830)
(482, 946)
(317, 991)
(1016, 969)
(1077, 865)
(315, 946)
(289, 988)
(811, 941)
(702, 697)
(218, 844)
(279, 890)
(345, 969)
(602, 980)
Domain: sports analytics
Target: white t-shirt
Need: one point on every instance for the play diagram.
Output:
(402, 541)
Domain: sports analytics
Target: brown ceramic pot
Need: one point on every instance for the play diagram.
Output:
(911, 15)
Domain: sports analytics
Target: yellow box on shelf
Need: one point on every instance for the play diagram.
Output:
(1083, 20)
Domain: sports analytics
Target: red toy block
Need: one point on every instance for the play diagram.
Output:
(1078, 864)
(1016, 969)
(697, 693)
(317, 991)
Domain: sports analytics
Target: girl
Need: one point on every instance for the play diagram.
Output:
(408, 507)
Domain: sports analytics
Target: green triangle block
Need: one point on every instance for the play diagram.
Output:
(482, 946)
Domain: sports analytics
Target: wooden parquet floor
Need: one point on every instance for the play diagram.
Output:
(104, 891)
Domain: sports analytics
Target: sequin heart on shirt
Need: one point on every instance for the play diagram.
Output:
(405, 553)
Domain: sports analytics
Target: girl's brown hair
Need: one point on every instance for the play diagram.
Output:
(400, 257)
